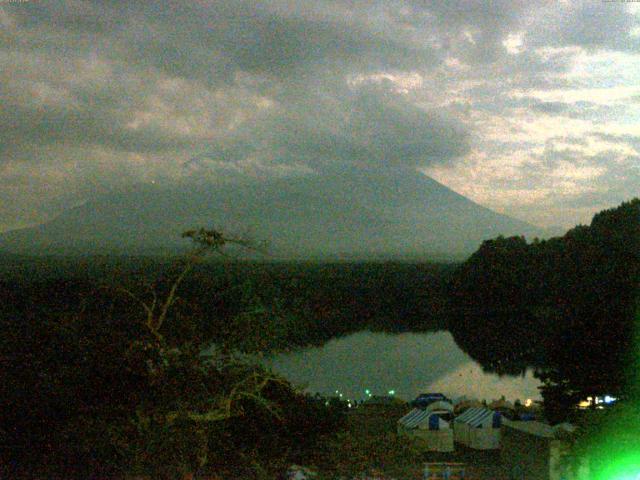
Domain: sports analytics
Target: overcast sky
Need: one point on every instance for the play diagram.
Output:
(529, 108)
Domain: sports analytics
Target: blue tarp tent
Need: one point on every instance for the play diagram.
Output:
(433, 432)
(478, 428)
(424, 399)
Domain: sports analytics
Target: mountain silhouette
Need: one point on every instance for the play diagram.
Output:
(353, 213)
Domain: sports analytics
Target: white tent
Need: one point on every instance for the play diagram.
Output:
(443, 408)
(478, 428)
(538, 449)
(431, 430)
(440, 406)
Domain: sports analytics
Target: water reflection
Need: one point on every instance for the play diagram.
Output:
(408, 363)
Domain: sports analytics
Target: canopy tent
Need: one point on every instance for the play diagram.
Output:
(433, 432)
(441, 405)
(538, 449)
(424, 399)
(478, 428)
(443, 408)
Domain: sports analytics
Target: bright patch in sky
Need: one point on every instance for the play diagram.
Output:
(513, 43)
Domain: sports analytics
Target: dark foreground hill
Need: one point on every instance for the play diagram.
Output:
(349, 214)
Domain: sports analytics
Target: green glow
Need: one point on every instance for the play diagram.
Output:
(610, 442)
(626, 467)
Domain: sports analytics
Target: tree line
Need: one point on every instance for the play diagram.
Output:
(565, 306)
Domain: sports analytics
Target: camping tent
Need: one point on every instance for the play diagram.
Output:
(432, 431)
(478, 428)
(441, 405)
(538, 449)
(443, 408)
(424, 399)
(506, 408)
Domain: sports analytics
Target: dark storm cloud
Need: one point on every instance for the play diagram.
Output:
(213, 40)
(288, 42)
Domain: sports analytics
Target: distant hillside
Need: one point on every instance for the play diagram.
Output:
(350, 214)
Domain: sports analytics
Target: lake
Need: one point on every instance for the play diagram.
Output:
(408, 363)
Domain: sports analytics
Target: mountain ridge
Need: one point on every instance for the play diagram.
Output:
(348, 213)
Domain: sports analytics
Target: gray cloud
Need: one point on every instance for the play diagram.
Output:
(587, 24)
(108, 92)
(78, 126)
(369, 125)
(213, 40)
(579, 110)
(625, 139)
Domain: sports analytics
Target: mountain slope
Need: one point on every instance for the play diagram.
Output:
(348, 213)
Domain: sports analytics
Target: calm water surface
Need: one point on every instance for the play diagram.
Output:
(407, 363)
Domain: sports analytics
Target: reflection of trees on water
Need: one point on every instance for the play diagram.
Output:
(505, 343)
